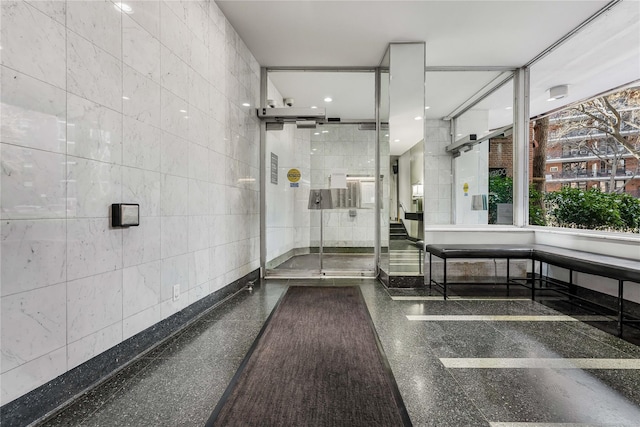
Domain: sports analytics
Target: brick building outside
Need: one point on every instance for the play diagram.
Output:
(570, 165)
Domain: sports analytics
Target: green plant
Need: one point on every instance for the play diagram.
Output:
(500, 191)
(629, 208)
(536, 212)
(593, 209)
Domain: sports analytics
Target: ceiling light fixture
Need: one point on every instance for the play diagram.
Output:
(427, 107)
(417, 118)
(396, 140)
(183, 111)
(123, 7)
(246, 104)
(558, 92)
(508, 108)
(328, 99)
(313, 106)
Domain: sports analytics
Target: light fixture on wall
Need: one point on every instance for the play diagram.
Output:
(558, 92)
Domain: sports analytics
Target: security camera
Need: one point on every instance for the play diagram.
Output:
(288, 102)
(271, 103)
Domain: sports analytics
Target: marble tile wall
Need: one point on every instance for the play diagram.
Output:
(101, 107)
(438, 174)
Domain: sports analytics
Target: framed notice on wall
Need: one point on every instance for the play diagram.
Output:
(274, 169)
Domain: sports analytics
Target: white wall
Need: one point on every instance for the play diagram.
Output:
(286, 207)
(438, 173)
(73, 287)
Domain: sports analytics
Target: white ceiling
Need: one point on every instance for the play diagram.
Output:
(322, 33)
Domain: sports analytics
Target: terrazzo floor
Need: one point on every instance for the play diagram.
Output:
(451, 370)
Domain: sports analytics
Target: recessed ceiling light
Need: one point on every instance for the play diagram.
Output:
(417, 118)
(396, 140)
(316, 133)
(313, 106)
(459, 134)
(183, 111)
(246, 104)
(427, 107)
(325, 131)
(125, 97)
(186, 117)
(508, 108)
(123, 7)
(328, 99)
(387, 134)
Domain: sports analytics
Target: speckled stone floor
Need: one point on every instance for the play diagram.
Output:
(180, 382)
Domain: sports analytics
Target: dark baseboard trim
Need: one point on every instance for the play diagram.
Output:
(46, 399)
(406, 282)
(383, 277)
(400, 281)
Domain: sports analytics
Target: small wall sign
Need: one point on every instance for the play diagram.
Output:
(293, 175)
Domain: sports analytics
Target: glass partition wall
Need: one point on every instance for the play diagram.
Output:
(338, 188)
(483, 160)
(320, 195)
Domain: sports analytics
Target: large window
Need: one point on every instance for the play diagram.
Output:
(483, 164)
(596, 146)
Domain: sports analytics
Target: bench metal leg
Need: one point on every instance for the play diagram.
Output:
(533, 278)
(444, 282)
(420, 261)
(572, 288)
(508, 278)
(620, 306)
(430, 269)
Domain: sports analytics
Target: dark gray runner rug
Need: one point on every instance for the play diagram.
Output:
(316, 362)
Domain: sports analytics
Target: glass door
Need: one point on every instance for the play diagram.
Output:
(343, 162)
(336, 154)
(320, 201)
(288, 219)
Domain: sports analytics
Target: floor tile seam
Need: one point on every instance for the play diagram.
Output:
(112, 395)
(578, 328)
(500, 331)
(159, 357)
(463, 390)
(102, 383)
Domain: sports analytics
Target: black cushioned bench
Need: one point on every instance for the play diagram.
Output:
(618, 268)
